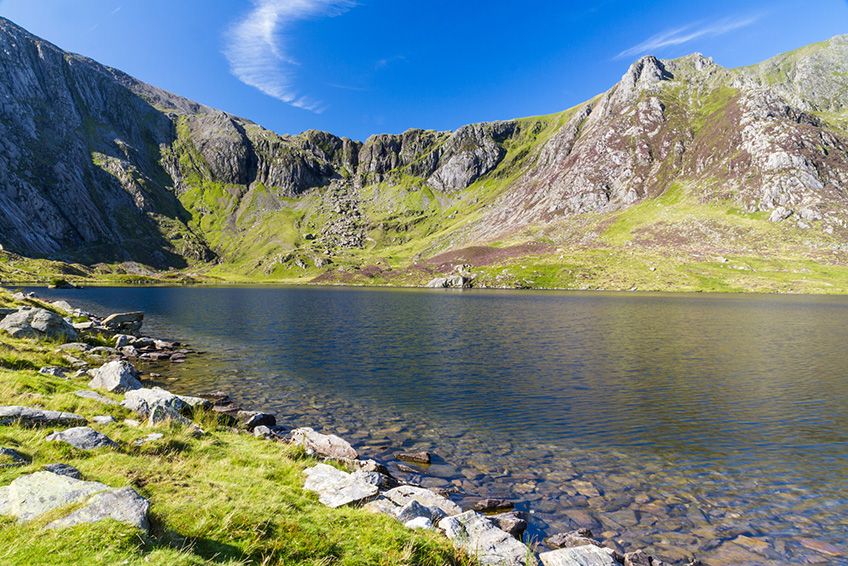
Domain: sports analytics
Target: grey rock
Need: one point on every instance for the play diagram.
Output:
(63, 470)
(413, 510)
(131, 423)
(53, 370)
(104, 419)
(129, 352)
(261, 431)
(64, 305)
(336, 488)
(122, 504)
(324, 445)
(780, 213)
(125, 322)
(404, 494)
(475, 534)
(31, 496)
(144, 400)
(9, 458)
(116, 376)
(490, 505)
(252, 419)
(121, 340)
(419, 523)
(28, 416)
(571, 539)
(637, 558)
(103, 351)
(96, 397)
(78, 346)
(83, 437)
(417, 457)
(381, 505)
(38, 323)
(451, 281)
(196, 402)
(578, 556)
(163, 414)
(810, 213)
(512, 523)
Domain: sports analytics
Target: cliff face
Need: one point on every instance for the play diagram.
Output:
(98, 167)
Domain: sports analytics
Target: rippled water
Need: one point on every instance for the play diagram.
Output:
(706, 425)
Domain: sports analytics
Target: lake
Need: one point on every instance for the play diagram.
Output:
(685, 424)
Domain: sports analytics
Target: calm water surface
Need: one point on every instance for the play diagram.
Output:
(706, 425)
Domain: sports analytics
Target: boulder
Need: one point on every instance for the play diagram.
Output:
(414, 510)
(381, 505)
(404, 494)
(121, 340)
(116, 376)
(144, 400)
(262, 432)
(28, 416)
(587, 555)
(779, 214)
(96, 397)
(122, 504)
(475, 534)
(83, 437)
(63, 470)
(125, 322)
(336, 488)
(33, 495)
(324, 445)
(64, 305)
(38, 323)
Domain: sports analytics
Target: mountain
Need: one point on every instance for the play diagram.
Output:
(683, 175)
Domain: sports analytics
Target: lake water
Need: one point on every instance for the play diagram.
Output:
(685, 424)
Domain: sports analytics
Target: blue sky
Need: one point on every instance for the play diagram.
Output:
(362, 67)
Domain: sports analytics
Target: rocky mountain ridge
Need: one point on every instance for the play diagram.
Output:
(98, 167)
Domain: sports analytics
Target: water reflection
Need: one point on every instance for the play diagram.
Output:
(697, 419)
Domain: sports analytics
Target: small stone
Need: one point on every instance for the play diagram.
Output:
(54, 371)
(419, 523)
(261, 432)
(63, 470)
(492, 505)
(104, 419)
(416, 457)
(512, 523)
(83, 437)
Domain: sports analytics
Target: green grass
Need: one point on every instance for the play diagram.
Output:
(222, 499)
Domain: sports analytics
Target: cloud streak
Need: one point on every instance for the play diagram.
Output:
(686, 34)
(257, 48)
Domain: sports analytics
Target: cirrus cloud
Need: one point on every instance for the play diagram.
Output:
(686, 34)
(258, 52)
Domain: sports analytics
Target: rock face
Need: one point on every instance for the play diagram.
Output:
(38, 323)
(116, 376)
(28, 416)
(132, 171)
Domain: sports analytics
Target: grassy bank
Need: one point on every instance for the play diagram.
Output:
(223, 498)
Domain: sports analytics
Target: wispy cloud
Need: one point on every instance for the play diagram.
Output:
(257, 48)
(686, 34)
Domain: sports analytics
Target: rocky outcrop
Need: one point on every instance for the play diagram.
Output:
(37, 323)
